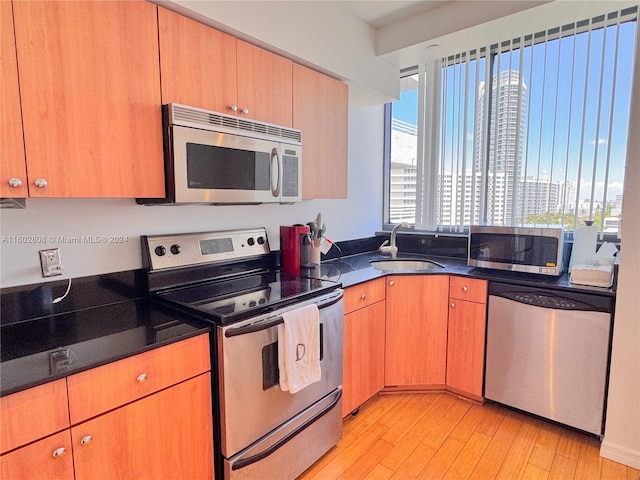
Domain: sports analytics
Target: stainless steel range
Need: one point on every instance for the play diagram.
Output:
(228, 279)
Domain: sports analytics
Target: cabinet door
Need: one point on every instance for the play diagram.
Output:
(416, 326)
(11, 143)
(46, 459)
(465, 288)
(465, 346)
(363, 375)
(320, 110)
(197, 64)
(99, 389)
(90, 93)
(363, 294)
(264, 85)
(165, 435)
(32, 414)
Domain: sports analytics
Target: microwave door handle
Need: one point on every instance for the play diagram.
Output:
(275, 190)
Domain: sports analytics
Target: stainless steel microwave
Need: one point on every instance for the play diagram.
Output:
(519, 249)
(213, 158)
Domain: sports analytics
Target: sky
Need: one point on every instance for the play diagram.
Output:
(556, 106)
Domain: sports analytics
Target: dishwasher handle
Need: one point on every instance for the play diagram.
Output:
(555, 299)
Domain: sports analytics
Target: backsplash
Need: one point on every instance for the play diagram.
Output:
(28, 302)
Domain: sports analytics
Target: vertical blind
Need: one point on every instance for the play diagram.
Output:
(533, 130)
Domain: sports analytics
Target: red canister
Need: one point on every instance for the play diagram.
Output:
(290, 247)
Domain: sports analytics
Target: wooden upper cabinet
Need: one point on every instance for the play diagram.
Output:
(264, 85)
(197, 63)
(90, 97)
(13, 169)
(205, 68)
(320, 110)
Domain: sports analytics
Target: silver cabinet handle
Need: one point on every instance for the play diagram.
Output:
(58, 452)
(86, 441)
(453, 305)
(245, 110)
(363, 297)
(15, 182)
(465, 288)
(141, 378)
(40, 182)
(392, 283)
(234, 107)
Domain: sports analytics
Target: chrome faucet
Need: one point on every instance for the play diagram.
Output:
(392, 249)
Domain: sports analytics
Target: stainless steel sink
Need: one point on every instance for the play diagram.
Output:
(405, 264)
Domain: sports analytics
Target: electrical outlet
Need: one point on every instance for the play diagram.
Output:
(50, 262)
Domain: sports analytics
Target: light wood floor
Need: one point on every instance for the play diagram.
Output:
(437, 435)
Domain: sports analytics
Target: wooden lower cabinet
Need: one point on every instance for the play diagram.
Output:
(165, 435)
(364, 332)
(46, 459)
(465, 347)
(416, 330)
(146, 416)
(466, 339)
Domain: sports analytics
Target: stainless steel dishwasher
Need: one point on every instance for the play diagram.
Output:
(548, 353)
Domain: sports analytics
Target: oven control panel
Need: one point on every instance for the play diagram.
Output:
(184, 249)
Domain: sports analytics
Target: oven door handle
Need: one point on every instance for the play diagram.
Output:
(245, 462)
(272, 322)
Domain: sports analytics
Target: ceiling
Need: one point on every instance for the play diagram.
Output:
(379, 13)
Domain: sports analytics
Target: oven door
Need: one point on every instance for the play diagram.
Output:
(214, 167)
(251, 401)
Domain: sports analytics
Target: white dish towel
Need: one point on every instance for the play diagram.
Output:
(299, 348)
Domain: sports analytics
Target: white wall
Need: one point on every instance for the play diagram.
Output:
(622, 436)
(358, 216)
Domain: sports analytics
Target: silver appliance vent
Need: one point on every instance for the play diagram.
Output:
(199, 118)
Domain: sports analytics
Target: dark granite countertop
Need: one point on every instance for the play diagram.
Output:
(40, 343)
(354, 269)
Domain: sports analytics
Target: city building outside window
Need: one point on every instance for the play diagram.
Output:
(531, 131)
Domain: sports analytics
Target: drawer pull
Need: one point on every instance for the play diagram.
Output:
(40, 182)
(363, 297)
(86, 441)
(392, 283)
(15, 182)
(465, 288)
(59, 452)
(141, 378)
(453, 305)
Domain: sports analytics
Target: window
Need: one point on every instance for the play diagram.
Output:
(531, 131)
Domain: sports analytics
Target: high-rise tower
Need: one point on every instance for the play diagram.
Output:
(505, 132)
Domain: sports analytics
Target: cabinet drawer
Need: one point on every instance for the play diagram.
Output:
(32, 414)
(49, 458)
(103, 388)
(363, 294)
(470, 289)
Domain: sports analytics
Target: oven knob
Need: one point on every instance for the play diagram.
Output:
(175, 249)
(251, 241)
(261, 240)
(160, 250)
